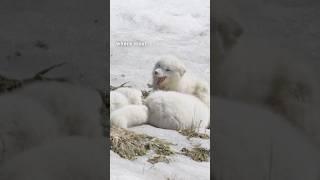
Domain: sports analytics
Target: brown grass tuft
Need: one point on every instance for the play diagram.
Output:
(197, 153)
(129, 145)
(193, 133)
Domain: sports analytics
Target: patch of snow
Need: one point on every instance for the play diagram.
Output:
(180, 167)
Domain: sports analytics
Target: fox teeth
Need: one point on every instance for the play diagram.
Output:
(160, 80)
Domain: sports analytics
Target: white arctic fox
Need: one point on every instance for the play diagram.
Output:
(174, 110)
(259, 71)
(117, 100)
(169, 74)
(129, 116)
(76, 108)
(164, 109)
(24, 123)
(134, 96)
(253, 143)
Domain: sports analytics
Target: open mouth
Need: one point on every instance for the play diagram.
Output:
(159, 80)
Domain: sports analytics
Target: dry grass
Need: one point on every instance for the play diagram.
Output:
(129, 145)
(145, 93)
(158, 158)
(193, 133)
(197, 153)
(7, 84)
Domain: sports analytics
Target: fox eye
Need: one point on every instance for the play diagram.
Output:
(168, 70)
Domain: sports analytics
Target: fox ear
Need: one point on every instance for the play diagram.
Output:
(182, 70)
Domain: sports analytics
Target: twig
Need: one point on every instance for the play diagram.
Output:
(41, 73)
(7, 84)
(112, 88)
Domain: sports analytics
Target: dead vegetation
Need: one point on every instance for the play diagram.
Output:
(129, 145)
(196, 153)
(9, 84)
(158, 158)
(193, 133)
(145, 93)
(112, 88)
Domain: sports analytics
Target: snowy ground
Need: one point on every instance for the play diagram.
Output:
(71, 31)
(179, 27)
(291, 23)
(180, 167)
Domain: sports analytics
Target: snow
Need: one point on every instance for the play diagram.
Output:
(70, 34)
(180, 167)
(179, 27)
(291, 23)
